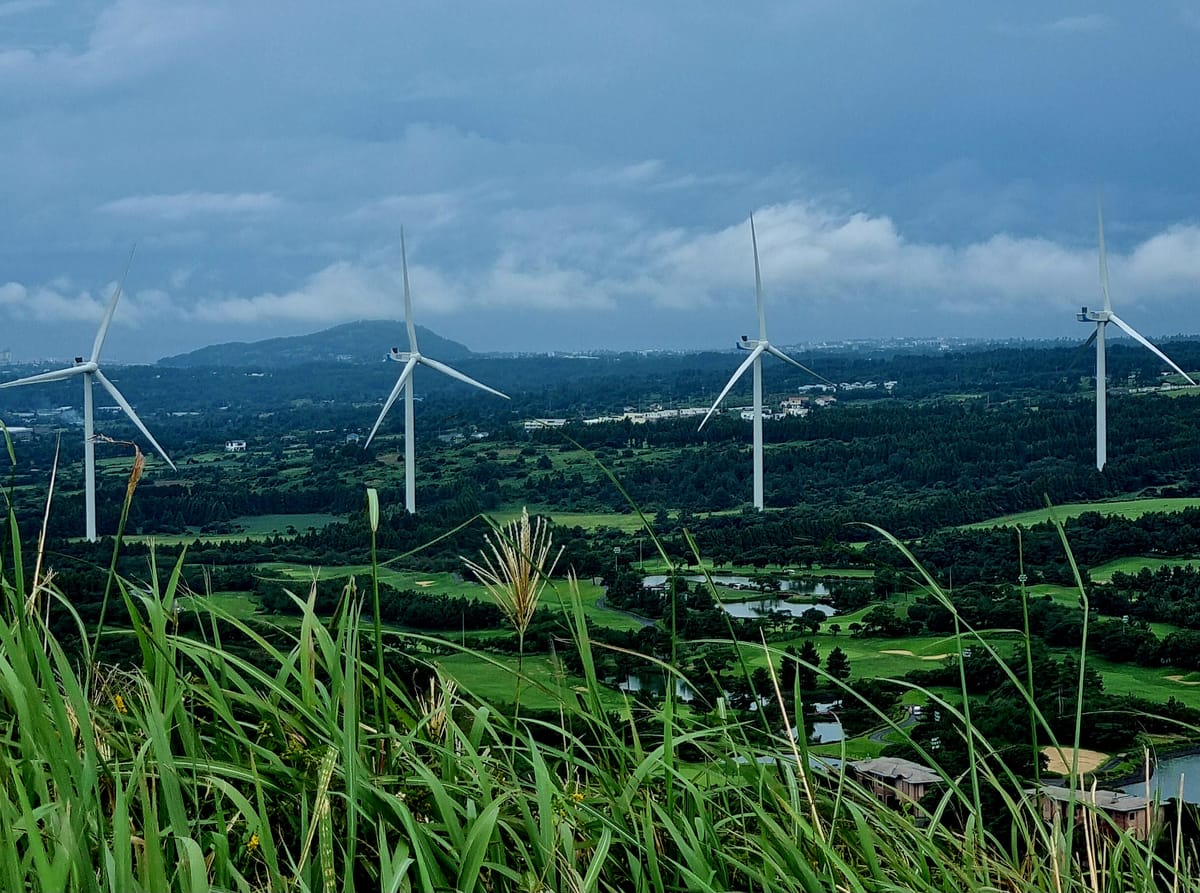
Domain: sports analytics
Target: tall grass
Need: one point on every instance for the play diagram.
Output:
(267, 767)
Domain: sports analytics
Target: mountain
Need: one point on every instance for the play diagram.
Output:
(365, 341)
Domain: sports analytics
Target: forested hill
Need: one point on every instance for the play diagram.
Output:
(365, 341)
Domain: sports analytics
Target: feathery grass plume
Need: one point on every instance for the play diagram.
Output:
(515, 573)
(436, 701)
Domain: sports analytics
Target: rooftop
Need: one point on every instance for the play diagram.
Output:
(893, 767)
(1116, 801)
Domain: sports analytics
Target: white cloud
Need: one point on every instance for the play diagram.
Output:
(181, 205)
(1080, 24)
(19, 7)
(127, 39)
(853, 263)
(1091, 23)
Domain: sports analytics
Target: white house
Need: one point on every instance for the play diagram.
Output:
(235, 446)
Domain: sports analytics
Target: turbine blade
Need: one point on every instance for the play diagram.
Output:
(102, 332)
(1103, 256)
(133, 416)
(758, 294)
(408, 314)
(741, 370)
(56, 375)
(1081, 351)
(1136, 336)
(454, 373)
(405, 375)
(776, 352)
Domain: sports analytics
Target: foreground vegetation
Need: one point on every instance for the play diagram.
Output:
(230, 753)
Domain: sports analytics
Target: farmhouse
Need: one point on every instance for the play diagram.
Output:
(235, 446)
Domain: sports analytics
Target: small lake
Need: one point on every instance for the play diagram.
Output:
(655, 684)
(764, 606)
(814, 588)
(751, 610)
(1167, 774)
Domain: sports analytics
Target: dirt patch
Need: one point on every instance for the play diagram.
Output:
(1060, 760)
(1178, 678)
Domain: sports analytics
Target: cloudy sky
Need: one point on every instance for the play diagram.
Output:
(580, 175)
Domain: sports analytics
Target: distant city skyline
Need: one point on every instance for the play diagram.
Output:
(580, 179)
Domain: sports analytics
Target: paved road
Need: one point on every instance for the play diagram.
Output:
(906, 723)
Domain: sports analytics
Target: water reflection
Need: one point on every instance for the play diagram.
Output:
(1166, 779)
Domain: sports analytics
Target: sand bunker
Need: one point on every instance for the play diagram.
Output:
(1060, 760)
(1182, 681)
(897, 651)
(906, 653)
(424, 583)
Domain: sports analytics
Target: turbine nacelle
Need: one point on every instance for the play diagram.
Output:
(402, 356)
(1085, 315)
(747, 343)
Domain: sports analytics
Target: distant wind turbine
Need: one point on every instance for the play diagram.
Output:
(411, 360)
(1102, 318)
(757, 349)
(90, 368)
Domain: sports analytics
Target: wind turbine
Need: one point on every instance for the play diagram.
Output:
(90, 369)
(411, 359)
(1102, 318)
(757, 349)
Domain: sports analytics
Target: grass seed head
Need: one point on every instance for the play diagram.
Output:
(516, 566)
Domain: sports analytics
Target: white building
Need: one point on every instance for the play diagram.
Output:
(235, 446)
(535, 424)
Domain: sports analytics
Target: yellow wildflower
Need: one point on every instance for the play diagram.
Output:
(252, 844)
(119, 703)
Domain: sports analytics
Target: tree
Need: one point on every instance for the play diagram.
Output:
(808, 654)
(835, 629)
(811, 620)
(837, 664)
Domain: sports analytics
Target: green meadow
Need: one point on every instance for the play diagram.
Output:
(1127, 508)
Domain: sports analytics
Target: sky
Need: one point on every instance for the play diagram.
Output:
(580, 176)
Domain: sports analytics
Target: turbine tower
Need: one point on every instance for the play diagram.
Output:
(757, 349)
(411, 360)
(89, 369)
(1102, 318)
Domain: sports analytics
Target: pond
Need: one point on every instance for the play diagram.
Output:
(654, 684)
(750, 610)
(1167, 775)
(762, 607)
(813, 588)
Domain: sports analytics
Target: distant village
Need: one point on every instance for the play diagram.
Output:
(813, 396)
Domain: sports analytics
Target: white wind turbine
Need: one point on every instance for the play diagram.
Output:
(757, 349)
(411, 360)
(90, 368)
(1102, 318)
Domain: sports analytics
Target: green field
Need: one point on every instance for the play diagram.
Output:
(1103, 573)
(1148, 682)
(1128, 508)
(495, 680)
(555, 596)
(586, 520)
(252, 527)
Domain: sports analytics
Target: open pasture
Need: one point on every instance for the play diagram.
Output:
(1103, 573)
(1127, 508)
